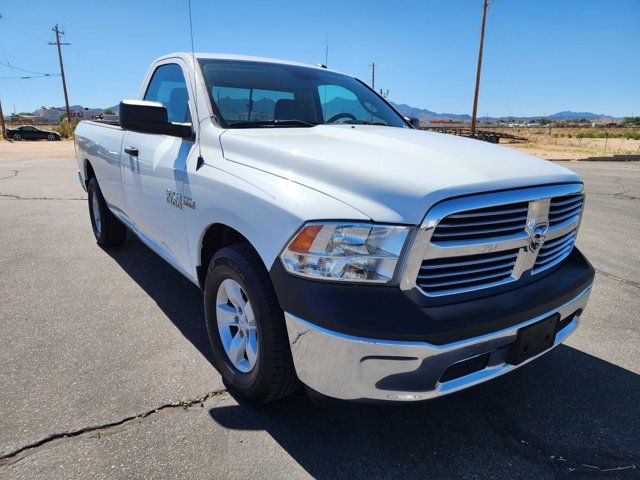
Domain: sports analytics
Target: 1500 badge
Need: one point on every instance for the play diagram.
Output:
(177, 200)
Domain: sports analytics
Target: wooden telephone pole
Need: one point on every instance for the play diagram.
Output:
(475, 96)
(64, 81)
(4, 135)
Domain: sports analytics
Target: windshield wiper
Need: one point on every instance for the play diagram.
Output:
(362, 122)
(273, 123)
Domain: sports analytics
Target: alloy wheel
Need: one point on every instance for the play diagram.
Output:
(237, 325)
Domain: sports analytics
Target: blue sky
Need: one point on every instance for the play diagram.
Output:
(541, 56)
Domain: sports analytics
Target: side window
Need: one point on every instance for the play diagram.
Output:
(169, 87)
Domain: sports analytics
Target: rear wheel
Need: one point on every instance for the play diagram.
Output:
(246, 327)
(107, 229)
(51, 137)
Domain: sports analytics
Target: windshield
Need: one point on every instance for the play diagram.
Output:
(251, 94)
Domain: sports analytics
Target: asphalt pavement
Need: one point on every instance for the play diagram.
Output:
(105, 369)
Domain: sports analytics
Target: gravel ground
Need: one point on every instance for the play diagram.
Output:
(105, 370)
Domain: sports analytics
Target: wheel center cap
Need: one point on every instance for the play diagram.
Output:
(242, 323)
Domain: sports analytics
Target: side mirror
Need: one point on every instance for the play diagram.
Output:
(415, 123)
(150, 117)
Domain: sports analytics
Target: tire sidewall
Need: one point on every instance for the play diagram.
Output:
(225, 268)
(17, 137)
(93, 187)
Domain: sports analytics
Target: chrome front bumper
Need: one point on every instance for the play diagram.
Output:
(355, 368)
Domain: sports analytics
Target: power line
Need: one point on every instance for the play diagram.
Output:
(13, 67)
(27, 77)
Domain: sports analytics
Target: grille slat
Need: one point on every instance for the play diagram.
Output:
(556, 256)
(482, 212)
(482, 223)
(554, 220)
(480, 232)
(446, 275)
(564, 208)
(469, 262)
(555, 241)
(555, 248)
(558, 202)
(460, 281)
(557, 211)
(462, 272)
(554, 251)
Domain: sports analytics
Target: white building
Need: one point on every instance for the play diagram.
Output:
(50, 115)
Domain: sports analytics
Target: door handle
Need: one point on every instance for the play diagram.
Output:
(133, 151)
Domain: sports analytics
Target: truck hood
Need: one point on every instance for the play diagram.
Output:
(389, 174)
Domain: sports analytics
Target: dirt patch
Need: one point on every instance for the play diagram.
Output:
(37, 149)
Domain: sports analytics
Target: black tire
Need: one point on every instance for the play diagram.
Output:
(17, 137)
(51, 137)
(109, 232)
(273, 375)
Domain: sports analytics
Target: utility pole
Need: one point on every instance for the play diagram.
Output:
(373, 75)
(475, 96)
(64, 81)
(2, 122)
(2, 125)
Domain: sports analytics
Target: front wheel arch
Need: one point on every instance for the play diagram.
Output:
(216, 237)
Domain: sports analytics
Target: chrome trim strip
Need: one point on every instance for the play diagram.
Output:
(539, 200)
(349, 367)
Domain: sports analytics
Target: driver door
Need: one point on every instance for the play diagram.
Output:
(153, 170)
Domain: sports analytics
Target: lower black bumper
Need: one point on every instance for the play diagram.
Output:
(386, 312)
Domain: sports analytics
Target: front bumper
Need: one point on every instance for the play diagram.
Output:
(355, 368)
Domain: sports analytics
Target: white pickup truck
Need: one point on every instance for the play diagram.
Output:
(337, 245)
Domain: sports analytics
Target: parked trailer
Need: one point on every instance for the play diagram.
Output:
(490, 136)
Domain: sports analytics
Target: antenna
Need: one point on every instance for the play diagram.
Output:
(195, 90)
(326, 51)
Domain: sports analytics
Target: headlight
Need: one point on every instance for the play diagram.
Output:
(352, 252)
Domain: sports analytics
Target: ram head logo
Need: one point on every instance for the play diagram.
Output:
(538, 236)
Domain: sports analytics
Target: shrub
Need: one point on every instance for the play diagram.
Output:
(66, 129)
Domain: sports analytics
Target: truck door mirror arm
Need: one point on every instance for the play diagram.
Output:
(151, 117)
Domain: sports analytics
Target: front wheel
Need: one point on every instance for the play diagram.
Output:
(246, 327)
(51, 137)
(17, 137)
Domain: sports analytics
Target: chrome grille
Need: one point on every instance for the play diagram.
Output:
(554, 251)
(481, 241)
(447, 275)
(482, 223)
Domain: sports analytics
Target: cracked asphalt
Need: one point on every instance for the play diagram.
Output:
(105, 370)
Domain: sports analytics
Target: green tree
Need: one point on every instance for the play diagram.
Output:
(108, 111)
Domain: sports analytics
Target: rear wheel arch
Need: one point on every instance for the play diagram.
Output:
(89, 173)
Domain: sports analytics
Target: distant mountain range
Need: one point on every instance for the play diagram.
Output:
(422, 113)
